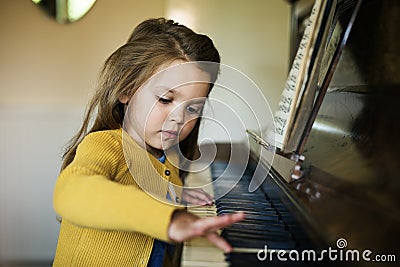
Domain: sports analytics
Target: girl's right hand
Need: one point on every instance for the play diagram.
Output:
(185, 226)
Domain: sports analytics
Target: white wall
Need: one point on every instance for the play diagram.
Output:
(48, 70)
(252, 37)
(31, 143)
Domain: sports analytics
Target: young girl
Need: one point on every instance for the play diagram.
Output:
(107, 219)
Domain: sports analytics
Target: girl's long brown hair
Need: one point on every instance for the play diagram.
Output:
(153, 42)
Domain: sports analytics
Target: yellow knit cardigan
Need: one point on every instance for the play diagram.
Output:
(107, 220)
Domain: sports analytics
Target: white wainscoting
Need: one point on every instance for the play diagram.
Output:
(31, 143)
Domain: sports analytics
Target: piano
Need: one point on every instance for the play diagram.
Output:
(346, 200)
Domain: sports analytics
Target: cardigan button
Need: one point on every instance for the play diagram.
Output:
(167, 172)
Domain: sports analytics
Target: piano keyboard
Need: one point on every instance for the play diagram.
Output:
(268, 223)
(199, 252)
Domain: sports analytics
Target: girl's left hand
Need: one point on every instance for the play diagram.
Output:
(196, 196)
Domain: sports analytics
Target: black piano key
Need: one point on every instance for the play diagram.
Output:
(252, 208)
(238, 196)
(279, 206)
(266, 233)
(237, 204)
(248, 205)
(270, 241)
(265, 237)
(247, 211)
(245, 208)
(259, 226)
(230, 198)
(240, 242)
(261, 217)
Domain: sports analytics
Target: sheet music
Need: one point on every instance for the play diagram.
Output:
(306, 100)
(333, 43)
(298, 85)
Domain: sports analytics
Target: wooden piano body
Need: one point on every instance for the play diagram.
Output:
(350, 190)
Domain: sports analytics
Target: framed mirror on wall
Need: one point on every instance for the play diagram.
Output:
(65, 11)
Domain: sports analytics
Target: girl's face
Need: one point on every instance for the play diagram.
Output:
(165, 110)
